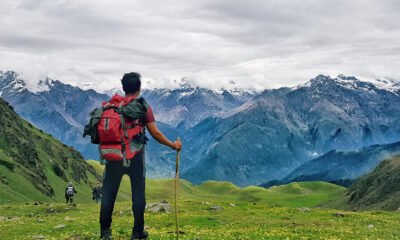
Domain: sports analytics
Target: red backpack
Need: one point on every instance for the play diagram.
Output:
(121, 138)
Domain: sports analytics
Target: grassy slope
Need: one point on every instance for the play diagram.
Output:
(20, 189)
(379, 189)
(306, 194)
(244, 221)
(17, 187)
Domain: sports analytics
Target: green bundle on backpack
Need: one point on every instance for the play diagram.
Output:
(134, 109)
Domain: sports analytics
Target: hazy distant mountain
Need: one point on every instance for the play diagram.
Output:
(341, 167)
(278, 130)
(377, 190)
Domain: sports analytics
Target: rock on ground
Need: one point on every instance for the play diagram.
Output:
(371, 226)
(216, 208)
(159, 207)
(304, 209)
(38, 237)
(59, 226)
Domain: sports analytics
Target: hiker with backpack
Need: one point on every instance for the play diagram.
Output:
(69, 193)
(119, 128)
(97, 192)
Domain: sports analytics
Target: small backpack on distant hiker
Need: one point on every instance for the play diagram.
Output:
(116, 128)
(70, 191)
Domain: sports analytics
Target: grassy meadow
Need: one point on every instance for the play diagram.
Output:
(283, 212)
(245, 220)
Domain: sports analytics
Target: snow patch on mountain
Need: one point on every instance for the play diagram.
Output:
(353, 83)
(111, 92)
(242, 92)
(183, 94)
(388, 84)
(11, 82)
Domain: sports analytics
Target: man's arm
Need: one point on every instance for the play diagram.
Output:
(157, 135)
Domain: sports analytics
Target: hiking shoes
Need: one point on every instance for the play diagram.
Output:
(142, 235)
(105, 234)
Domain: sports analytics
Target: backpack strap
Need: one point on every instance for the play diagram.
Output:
(122, 119)
(125, 162)
(108, 103)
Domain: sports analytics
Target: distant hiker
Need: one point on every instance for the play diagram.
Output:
(69, 193)
(97, 192)
(119, 128)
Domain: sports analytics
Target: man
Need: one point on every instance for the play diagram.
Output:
(114, 170)
(97, 192)
(69, 193)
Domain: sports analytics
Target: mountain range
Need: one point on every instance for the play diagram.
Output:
(278, 130)
(245, 137)
(63, 110)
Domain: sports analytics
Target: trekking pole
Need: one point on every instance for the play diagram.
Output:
(176, 192)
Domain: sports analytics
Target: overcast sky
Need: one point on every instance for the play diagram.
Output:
(258, 44)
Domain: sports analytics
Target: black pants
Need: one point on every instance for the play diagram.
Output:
(71, 199)
(112, 179)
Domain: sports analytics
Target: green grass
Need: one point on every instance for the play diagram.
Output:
(243, 221)
(307, 194)
(256, 213)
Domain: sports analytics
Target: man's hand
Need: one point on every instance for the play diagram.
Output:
(177, 145)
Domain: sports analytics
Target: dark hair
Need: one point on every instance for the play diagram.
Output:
(131, 82)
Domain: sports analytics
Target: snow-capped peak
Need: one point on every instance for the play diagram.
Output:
(387, 84)
(242, 92)
(351, 82)
(11, 82)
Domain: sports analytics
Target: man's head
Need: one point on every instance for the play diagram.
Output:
(131, 82)
(70, 183)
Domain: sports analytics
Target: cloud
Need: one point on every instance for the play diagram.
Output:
(257, 44)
